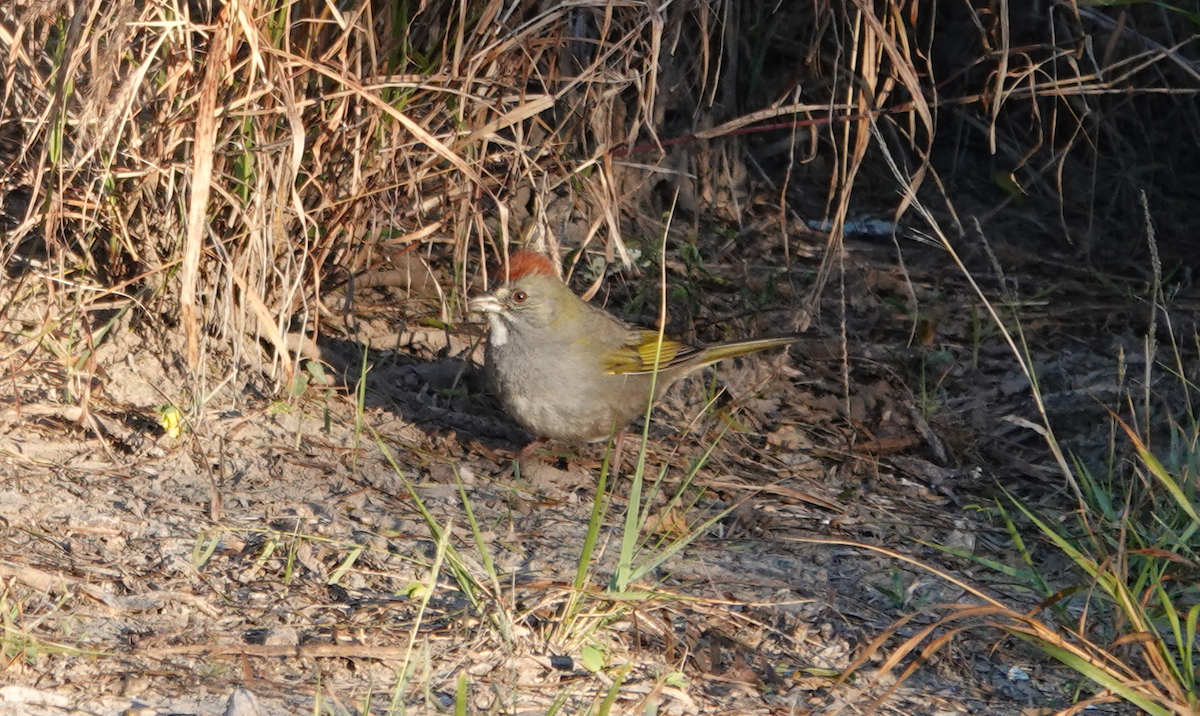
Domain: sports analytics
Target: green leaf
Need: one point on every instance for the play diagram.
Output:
(593, 658)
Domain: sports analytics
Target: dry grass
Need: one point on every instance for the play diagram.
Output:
(227, 168)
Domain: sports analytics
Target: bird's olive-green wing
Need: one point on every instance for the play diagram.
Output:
(640, 351)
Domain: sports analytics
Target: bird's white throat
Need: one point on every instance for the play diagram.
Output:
(499, 335)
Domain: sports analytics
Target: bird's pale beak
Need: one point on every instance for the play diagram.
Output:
(486, 303)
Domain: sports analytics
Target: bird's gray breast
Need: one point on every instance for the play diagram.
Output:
(557, 392)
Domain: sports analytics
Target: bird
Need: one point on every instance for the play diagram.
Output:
(572, 372)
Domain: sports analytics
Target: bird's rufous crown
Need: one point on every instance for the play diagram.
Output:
(529, 263)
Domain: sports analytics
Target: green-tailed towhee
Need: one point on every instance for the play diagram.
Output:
(567, 370)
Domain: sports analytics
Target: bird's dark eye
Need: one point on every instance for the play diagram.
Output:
(520, 296)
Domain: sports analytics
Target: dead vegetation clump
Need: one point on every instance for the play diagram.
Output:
(229, 167)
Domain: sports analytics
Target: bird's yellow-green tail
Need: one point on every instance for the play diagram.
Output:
(644, 352)
(732, 349)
